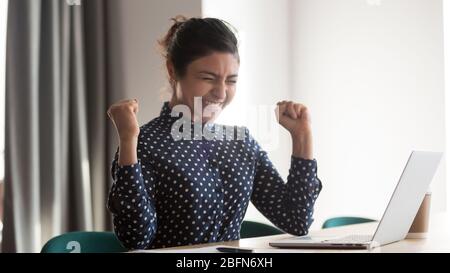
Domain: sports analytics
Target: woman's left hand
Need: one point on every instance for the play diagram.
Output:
(296, 118)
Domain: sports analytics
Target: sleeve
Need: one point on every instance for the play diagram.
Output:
(131, 202)
(290, 205)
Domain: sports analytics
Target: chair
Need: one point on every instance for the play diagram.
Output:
(250, 229)
(343, 221)
(84, 242)
(107, 242)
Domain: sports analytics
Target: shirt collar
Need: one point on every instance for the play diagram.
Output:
(166, 113)
(165, 110)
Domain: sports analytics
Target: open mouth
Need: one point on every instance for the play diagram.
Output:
(207, 103)
(211, 109)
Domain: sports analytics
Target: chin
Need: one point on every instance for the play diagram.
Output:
(208, 118)
(211, 113)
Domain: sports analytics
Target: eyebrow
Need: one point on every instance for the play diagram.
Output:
(215, 75)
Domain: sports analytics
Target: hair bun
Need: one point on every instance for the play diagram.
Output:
(166, 41)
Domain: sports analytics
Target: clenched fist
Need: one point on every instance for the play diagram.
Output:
(296, 119)
(123, 115)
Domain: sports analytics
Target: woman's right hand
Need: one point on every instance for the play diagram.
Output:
(123, 115)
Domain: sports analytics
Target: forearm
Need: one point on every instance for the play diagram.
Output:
(135, 222)
(301, 192)
(128, 152)
(295, 199)
(302, 146)
(132, 207)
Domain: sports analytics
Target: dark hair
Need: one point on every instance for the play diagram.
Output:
(190, 39)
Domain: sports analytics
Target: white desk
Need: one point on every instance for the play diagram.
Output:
(438, 239)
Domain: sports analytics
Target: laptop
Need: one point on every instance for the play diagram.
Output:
(398, 216)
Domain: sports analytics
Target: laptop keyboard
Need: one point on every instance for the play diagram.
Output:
(351, 239)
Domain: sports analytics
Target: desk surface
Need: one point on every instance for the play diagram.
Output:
(438, 239)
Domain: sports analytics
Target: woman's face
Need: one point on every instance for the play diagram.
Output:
(212, 80)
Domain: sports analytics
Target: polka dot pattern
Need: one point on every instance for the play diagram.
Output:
(197, 191)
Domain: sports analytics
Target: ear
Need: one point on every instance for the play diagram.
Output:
(170, 71)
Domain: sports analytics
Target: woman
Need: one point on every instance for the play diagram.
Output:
(170, 192)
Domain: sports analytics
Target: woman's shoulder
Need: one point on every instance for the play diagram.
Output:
(153, 130)
(158, 123)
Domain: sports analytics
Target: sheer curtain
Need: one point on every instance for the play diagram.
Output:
(3, 16)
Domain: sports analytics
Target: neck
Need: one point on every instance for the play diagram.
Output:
(174, 101)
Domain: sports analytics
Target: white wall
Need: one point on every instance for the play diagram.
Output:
(264, 79)
(138, 68)
(446, 19)
(372, 74)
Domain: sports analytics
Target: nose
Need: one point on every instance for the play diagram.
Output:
(220, 91)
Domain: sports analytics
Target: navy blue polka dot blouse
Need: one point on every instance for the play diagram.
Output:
(184, 192)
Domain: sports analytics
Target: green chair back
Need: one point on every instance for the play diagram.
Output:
(250, 229)
(107, 242)
(343, 221)
(84, 242)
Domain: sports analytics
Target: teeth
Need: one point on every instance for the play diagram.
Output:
(211, 102)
